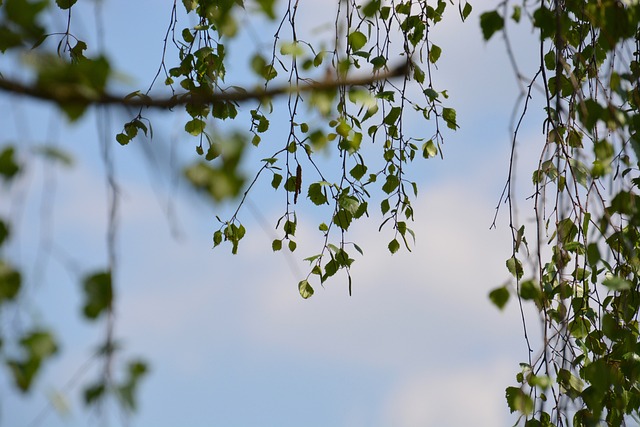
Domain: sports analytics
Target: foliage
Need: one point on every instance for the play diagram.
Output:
(581, 271)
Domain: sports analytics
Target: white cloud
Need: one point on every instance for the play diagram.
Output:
(469, 395)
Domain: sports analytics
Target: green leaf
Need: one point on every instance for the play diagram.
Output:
(529, 290)
(349, 203)
(98, 294)
(267, 7)
(290, 228)
(122, 139)
(491, 22)
(305, 289)
(4, 232)
(10, 282)
(434, 53)
(466, 11)
(277, 179)
(429, 149)
(38, 346)
(190, 5)
(371, 8)
(317, 194)
(392, 117)
(358, 171)
(356, 40)
(93, 393)
(394, 246)
(390, 184)
(195, 127)
(276, 245)
(449, 116)
(217, 238)
(615, 283)
(55, 154)
(384, 206)
(519, 401)
(342, 219)
(499, 297)
(65, 4)
(515, 267)
(8, 166)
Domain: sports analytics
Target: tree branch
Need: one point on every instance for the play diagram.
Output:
(70, 95)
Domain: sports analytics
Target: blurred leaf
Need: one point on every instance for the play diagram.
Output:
(98, 294)
(499, 297)
(54, 154)
(615, 283)
(357, 40)
(4, 234)
(65, 4)
(8, 165)
(10, 282)
(94, 393)
(491, 22)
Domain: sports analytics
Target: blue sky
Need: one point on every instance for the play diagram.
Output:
(228, 339)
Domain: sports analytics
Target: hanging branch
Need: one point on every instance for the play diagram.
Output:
(67, 95)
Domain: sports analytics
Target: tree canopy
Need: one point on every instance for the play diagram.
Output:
(350, 90)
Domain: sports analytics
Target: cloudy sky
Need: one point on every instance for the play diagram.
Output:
(228, 338)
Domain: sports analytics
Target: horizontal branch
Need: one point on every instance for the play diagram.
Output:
(64, 95)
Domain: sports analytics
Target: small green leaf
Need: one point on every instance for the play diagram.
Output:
(357, 40)
(491, 22)
(515, 267)
(195, 127)
(65, 4)
(358, 171)
(518, 400)
(434, 53)
(466, 11)
(394, 246)
(93, 393)
(98, 294)
(343, 219)
(217, 238)
(499, 297)
(429, 149)
(305, 289)
(276, 245)
(8, 165)
(384, 206)
(392, 182)
(615, 283)
(10, 282)
(4, 232)
(316, 194)
(277, 179)
(392, 117)
(55, 154)
(449, 116)
(290, 228)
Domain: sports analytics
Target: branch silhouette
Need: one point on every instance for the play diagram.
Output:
(70, 95)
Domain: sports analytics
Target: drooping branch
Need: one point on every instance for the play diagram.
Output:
(70, 95)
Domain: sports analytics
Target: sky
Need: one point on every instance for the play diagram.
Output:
(228, 339)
